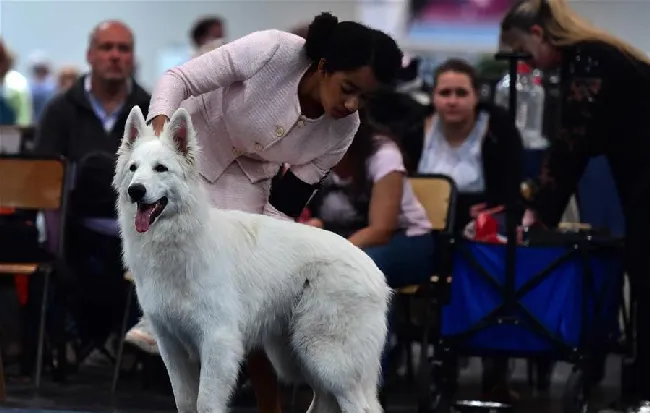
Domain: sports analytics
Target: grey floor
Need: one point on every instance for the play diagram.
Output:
(89, 391)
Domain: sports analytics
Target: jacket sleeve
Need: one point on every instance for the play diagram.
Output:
(582, 130)
(290, 196)
(233, 62)
(314, 171)
(562, 168)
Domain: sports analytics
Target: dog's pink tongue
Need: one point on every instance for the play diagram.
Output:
(143, 218)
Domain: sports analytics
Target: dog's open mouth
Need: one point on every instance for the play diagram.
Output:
(147, 214)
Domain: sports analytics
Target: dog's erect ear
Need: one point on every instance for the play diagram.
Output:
(135, 126)
(180, 131)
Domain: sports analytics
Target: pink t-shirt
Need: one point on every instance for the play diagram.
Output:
(412, 216)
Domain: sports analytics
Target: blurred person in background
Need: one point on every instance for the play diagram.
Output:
(98, 102)
(369, 200)
(42, 82)
(206, 30)
(85, 124)
(66, 77)
(479, 147)
(209, 46)
(207, 34)
(474, 143)
(15, 97)
(605, 85)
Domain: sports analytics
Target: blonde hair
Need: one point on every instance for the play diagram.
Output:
(562, 25)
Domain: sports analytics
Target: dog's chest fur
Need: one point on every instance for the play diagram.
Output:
(180, 294)
(237, 289)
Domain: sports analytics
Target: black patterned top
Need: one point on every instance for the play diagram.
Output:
(605, 110)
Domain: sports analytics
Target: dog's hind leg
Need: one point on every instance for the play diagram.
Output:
(222, 352)
(182, 369)
(372, 398)
(338, 334)
(323, 402)
(353, 401)
(280, 353)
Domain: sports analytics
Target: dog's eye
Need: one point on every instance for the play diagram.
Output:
(160, 168)
(132, 168)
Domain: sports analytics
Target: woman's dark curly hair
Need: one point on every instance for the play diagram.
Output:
(349, 45)
(363, 146)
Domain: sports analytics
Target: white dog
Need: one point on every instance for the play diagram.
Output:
(217, 284)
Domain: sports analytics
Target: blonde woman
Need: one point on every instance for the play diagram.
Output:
(606, 101)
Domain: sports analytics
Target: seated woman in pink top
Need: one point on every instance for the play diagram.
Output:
(267, 99)
(369, 200)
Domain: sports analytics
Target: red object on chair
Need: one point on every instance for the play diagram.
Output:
(305, 216)
(22, 288)
(487, 228)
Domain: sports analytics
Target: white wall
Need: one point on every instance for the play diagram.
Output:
(627, 19)
(60, 28)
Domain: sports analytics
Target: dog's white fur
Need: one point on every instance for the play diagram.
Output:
(217, 284)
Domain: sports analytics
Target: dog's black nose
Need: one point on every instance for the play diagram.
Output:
(137, 192)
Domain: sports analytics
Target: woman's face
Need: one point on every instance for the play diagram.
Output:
(454, 97)
(544, 55)
(343, 93)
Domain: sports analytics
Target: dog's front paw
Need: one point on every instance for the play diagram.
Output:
(186, 406)
(211, 404)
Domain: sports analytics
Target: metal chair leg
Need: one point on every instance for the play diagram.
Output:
(120, 348)
(3, 387)
(41, 328)
(294, 395)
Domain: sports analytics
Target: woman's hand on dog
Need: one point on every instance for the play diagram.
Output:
(315, 222)
(158, 123)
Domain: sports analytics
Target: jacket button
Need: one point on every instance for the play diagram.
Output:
(279, 131)
(301, 123)
(235, 151)
(258, 146)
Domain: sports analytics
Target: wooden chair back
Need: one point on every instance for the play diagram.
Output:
(437, 194)
(32, 183)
